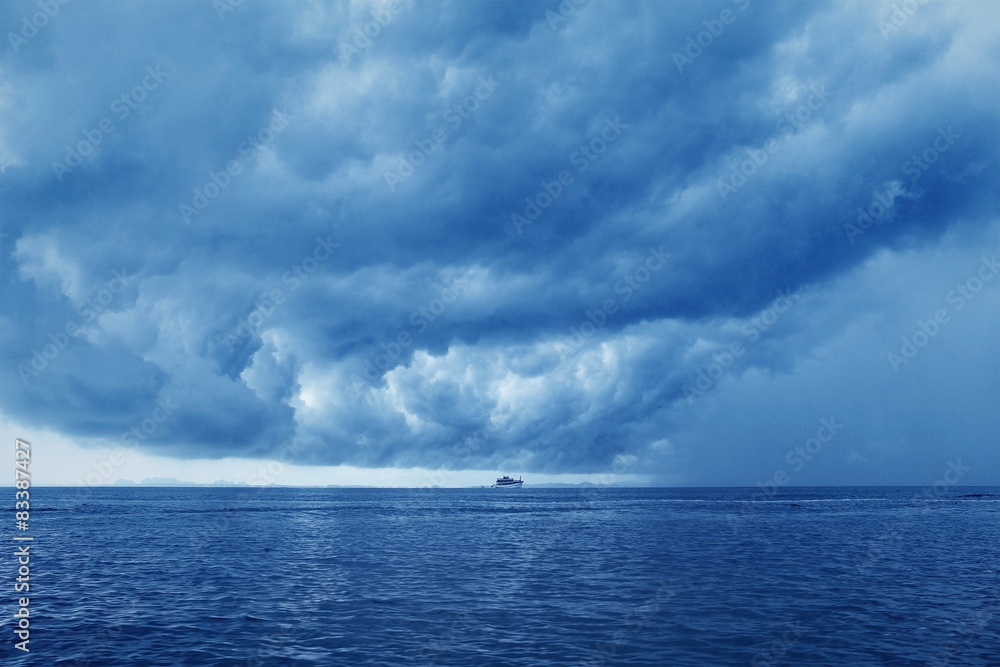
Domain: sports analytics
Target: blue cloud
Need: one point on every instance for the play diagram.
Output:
(428, 245)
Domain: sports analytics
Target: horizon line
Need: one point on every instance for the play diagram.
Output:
(539, 485)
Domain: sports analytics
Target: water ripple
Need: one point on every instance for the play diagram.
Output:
(513, 577)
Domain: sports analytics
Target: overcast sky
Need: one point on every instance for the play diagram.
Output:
(654, 242)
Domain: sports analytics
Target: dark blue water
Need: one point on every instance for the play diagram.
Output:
(813, 576)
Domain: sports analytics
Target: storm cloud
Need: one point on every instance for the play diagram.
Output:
(646, 237)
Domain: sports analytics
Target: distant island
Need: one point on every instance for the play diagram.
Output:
(173, 481)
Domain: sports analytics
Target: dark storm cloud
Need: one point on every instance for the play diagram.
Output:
(425, 233)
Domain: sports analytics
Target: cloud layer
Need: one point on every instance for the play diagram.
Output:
(651, 237)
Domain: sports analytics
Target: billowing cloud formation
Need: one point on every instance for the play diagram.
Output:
(661, 238)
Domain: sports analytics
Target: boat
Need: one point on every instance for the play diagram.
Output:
(505, 481)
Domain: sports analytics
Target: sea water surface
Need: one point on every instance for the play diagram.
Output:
(277, 576)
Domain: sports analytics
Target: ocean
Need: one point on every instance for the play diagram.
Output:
(535, 577)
